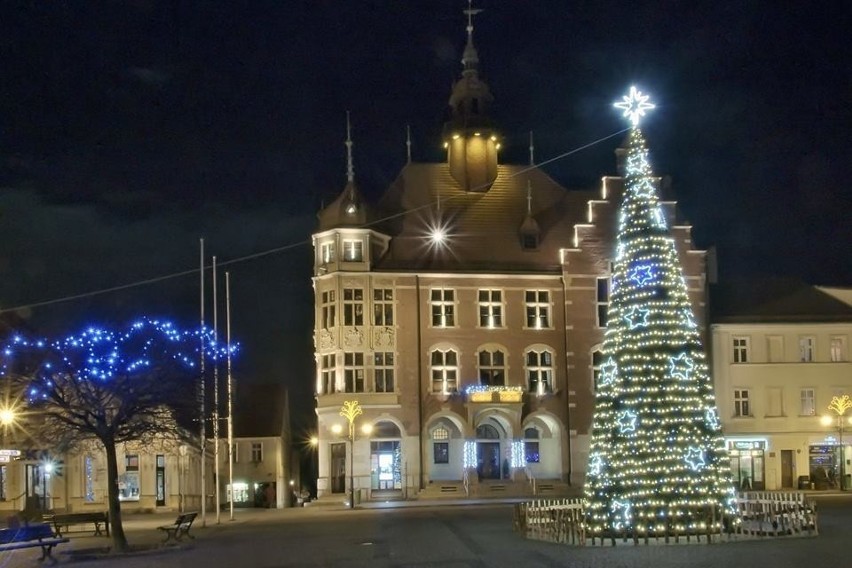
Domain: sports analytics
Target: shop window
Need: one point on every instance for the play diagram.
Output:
(128, 482)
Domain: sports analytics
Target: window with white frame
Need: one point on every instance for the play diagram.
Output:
(326, 253)
(539, 371)
(538, 308)
(353, 372)
(328, 309)
(532, 452)
(257, 452)
(383, 369)
(492, 367)
(837, 349)
(490, 308)
(443, 302)
(328, 374)
(383, 306)
(806, 349)
(740, 349)
(742, 405)
(353, 306)
(445, 370)
(441, 445)
(353, 250)
(602, 299)
(808, 402)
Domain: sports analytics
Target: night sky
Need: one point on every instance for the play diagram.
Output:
(130, 129)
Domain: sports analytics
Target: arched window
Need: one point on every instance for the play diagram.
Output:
(386, 429)
(445, 370)
(539, 363)
(492, 367)
(487, 432)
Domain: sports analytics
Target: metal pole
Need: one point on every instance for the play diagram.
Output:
(230, 394)
(203, 415)
(352, 464)
(842, 453)
(216, 394)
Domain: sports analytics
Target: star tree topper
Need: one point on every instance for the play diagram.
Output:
(634, 105)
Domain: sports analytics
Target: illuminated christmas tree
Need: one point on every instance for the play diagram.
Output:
(657, 461)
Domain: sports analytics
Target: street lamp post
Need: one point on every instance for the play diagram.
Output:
(839, 405)
(350, 410)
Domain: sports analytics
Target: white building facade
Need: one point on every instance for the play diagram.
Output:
(774, 382)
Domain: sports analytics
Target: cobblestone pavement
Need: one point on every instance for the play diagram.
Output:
(444, 535)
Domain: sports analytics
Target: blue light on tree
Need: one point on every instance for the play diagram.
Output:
(596, 465)
(711, 417)
(642, 274)
(695, 458)
(608, 372)
(637, 317)
(626, 421)
(681, 366)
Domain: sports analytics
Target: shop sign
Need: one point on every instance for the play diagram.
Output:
(746, 445)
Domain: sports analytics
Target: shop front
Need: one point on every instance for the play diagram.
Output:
(824, 465)
(748, 464)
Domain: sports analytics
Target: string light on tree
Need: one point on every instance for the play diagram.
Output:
(655, 425)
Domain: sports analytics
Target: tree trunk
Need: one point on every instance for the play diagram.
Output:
(119, 540)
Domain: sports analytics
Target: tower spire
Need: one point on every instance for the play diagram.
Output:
(350, 167)
(470, 59)
(529, 197)
(532, 149)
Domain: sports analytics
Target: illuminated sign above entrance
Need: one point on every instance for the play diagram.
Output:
(746, 444)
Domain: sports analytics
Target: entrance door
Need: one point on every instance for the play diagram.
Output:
(38, 496)
(786, 469)
(488, 460)
(338, 468)
(161, 480)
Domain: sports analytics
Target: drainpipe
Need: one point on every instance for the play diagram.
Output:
(567, 390)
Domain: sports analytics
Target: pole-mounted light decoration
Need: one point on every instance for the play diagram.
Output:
(840, 404)
(351, 410)
(657, 459)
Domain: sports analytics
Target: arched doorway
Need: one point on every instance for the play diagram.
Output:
(489, 465)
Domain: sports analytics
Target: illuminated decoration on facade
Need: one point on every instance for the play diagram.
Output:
(469, 454)
(518, 456)
(657, 457)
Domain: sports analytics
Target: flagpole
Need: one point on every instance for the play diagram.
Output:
(230, 395)
(203, 416)
(216, 394)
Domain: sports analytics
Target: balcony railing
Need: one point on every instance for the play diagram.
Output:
(480, 393)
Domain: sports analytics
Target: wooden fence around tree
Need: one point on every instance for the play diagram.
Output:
(760, 515)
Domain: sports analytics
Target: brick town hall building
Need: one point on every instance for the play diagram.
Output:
(465, 312)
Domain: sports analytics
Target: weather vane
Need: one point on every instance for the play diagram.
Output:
(471, 12)
(634, 105)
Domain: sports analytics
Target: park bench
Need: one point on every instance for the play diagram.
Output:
(30, 536)
(180, 528)
(65, 520)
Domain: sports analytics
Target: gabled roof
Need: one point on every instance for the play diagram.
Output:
(774, 301)
(482, 228)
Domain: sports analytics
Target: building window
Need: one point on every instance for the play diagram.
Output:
(326, 253)
(808, 402)
(538, 308)
(740, 345)
(353, 251)
(328, 374)
(384, 372)
(806, 349)
(540, 371)
(443, 307)
(492, 368)
(490, 308)
(88, 479)
(741, 403)
(128, 482)
(529, 241)
(353, 306)
(383, 306)
(257, 452)
(837, 349)
(329, 310)
(441, 445)
(597, 361)
(4, 481)
(235, 452)
(602, 300)
(353, 372)
(531, 448)
(445, 371)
